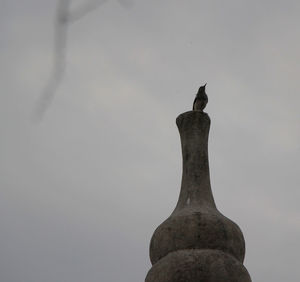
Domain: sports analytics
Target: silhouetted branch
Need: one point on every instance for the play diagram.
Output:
(59, 58)
(64, 17)
(84, 9)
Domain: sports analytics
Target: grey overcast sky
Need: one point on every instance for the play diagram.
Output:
(83, 190)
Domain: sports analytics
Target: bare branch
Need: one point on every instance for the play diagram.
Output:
(59, 59)
(64, 17)
(84, 9)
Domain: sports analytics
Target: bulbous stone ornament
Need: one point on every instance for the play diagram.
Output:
(196, 243)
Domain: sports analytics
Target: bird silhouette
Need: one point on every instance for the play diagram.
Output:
(200, 100)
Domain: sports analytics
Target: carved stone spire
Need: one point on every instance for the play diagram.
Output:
(196, 243)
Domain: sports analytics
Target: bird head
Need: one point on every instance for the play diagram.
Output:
(201, 90)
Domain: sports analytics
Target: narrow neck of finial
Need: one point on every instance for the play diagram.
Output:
(195, 185)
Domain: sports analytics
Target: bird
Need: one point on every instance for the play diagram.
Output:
(200, 100)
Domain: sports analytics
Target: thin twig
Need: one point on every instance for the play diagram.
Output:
(84, 9)
(59, 59)
(64, 17)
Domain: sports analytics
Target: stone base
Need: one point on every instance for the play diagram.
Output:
(198, 266)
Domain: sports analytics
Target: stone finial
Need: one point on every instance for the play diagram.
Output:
(196, 243)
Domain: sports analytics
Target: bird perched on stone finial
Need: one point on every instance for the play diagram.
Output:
(200, 100)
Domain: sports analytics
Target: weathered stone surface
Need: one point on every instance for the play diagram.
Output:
(197, 229)
(196, 243)
(198, 266)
